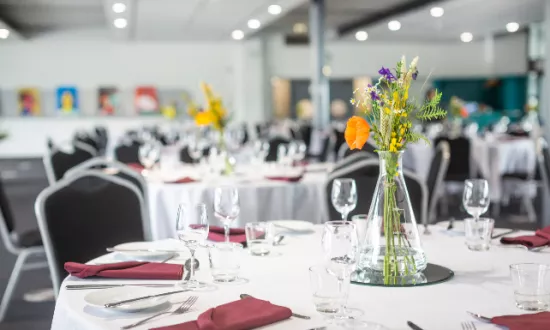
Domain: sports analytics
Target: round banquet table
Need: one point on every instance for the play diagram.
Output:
(260, 199)
(481, 284)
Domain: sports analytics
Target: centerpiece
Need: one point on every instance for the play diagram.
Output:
(392, 249)
(215, 115)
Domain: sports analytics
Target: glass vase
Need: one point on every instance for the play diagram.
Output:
(228, 163)
(392, 249)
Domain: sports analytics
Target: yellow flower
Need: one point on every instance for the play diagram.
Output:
(204, 118)
(393, 134)
(404, 114)
(387, 110)
(402, 131)
(406, 95)
(393, 140)
(399, 145)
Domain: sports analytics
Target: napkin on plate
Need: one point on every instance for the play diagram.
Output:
(128, 269)
(244, 314)
(217, 234)
(285, 178)
(538, 321)
(541, 238)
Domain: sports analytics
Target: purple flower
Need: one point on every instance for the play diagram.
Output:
(374, 96)
(386, 72)
(415, 74)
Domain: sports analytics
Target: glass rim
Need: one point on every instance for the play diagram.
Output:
(262, 223)
(480, 219)
(528, 264)
(475, 180)
(360, 216)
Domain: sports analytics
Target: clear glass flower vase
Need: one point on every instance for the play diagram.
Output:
(392, 249)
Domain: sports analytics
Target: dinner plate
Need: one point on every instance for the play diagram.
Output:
(101, 297)
(298, 226)
(141, 255)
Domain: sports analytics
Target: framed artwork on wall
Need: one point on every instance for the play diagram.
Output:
(28, 100)
(146, 100)
(67, 100)
(108, 100)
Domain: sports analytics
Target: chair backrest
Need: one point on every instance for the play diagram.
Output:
(543, 161)
(102, 138)
(7, 220)
(459, 165)
(274, 147)
(305, 133)
(83, 214)
(365, 173)
(355, 157)
(438, 170)
(368, 147)
(128, 154)
(340, 140)
(57, 162)
(185, 157)
(88, 139)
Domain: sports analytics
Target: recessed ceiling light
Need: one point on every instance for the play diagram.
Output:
(120, 23)
(394, 25)
(361, 35)
(437, 11)
(512, 27)
(274, 9)
(119, 7)
(466, 37)
(4, 33)
(237, 34)
(253, 23)
(299, 28)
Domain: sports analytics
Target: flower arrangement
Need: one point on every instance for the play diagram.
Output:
(390, 118)
(214, 113)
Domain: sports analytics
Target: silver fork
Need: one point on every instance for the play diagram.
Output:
(468, 325)
(184, 307)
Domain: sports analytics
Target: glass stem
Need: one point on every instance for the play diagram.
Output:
(344, 216)
(226, 231)
(192, 268)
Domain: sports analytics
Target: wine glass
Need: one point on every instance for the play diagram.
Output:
(341, 250)
(195, 151)
(476, 197)
(192, 230)
(344, 196)
(301, 151)
(226, 206)
(149, 154)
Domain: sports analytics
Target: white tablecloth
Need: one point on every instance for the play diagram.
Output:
(495, 157)
(481, 284)
(260, 200)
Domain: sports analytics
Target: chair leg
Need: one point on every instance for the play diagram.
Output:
(12, 283)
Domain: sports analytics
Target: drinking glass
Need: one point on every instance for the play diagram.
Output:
(225, 261)
(344, 196)
(226, 206)
(259, 237)
(360, 222)
(329, 292)
(149, 154)
(192, 230)
(195, 151)
(281, 154)
(302, 151)
(531, 286)
(341, 249)
(478, 233)
(476, 197)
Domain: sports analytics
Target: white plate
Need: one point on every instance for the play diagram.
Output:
(101, 297)
(142, 255)
(293, 225)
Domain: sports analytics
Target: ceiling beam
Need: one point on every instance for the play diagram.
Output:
(382, 15)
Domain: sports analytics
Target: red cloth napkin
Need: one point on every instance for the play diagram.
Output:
(185, 179)
(284, 178)
(128, 269)
(136, 166)
(244, 314)
(541, 238)
(217, 234)
(538, 321)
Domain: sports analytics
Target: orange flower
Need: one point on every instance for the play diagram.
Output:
(357, 132)
(204, 118)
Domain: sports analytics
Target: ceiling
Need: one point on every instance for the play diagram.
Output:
(214, 20)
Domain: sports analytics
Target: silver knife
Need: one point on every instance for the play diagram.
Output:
(300, 316)
(413, 326)
(105, 286)
(505, 233)
(112, 249)
(480, 317)
(118, 303)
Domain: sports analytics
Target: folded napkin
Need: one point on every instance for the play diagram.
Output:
(285, 178)
(136, 166)
(538, 321)
(244, 314)
(185, 179)
(541, 238)
(128, 269)
(217, 234)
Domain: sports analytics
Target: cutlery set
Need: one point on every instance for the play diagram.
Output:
(182, 309)
(467, 325)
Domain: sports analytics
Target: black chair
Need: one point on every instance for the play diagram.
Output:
(102, 138)
(274, 147)
(26, 245)
(305, 133)
(128, 153)
(83, 214)
(365, 173)
(85, 138)
(368, 147)
(57, 162)
(436, 175)
(353, 158)
(185, 157)
(340, 141)
(460, 163)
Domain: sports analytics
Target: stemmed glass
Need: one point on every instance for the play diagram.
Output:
(341, 250)
(226, 206)
(192, 230)
(195, 151)
(344, 196)
(476, 197)
(149, 154)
